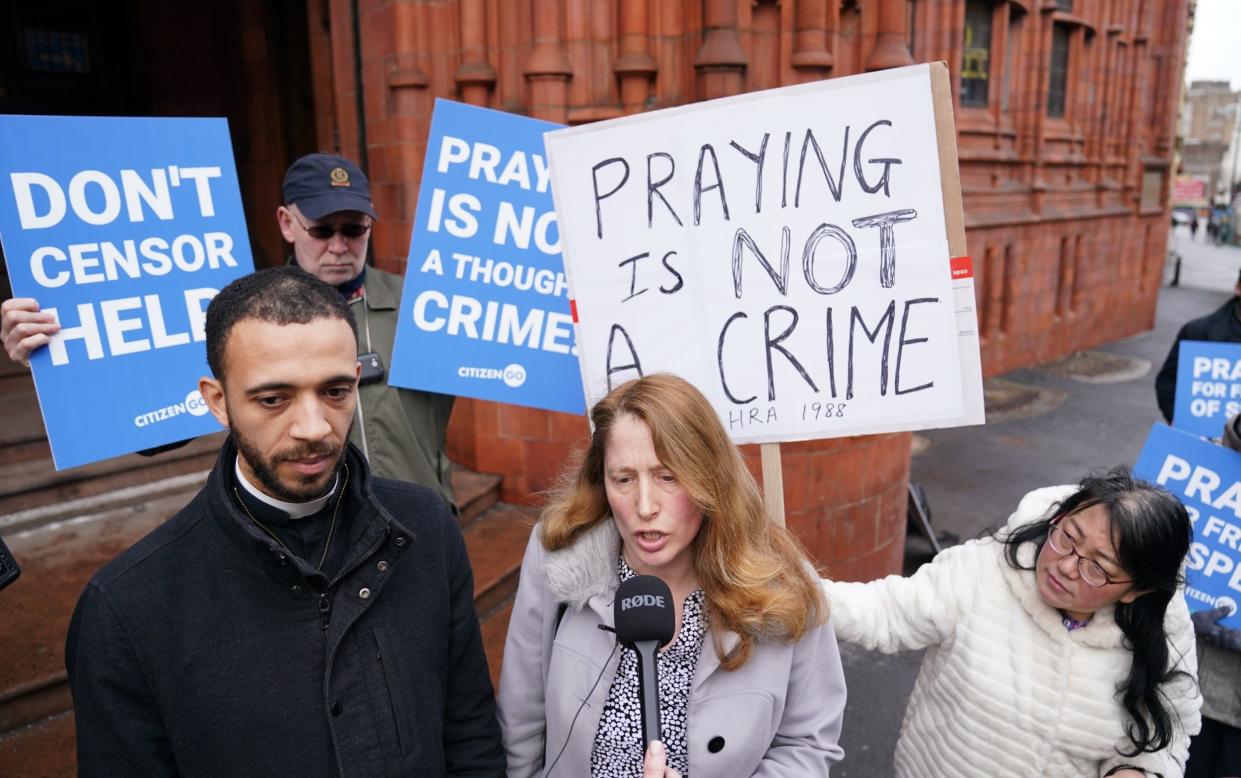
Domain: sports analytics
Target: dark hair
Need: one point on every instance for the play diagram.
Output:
(1153, 533)
(280, 295)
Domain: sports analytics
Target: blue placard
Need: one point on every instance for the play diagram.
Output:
(485, 311)
(1206, 478)
(125, 228)
(1208, 386)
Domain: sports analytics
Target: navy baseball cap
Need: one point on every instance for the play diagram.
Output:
(320, 184)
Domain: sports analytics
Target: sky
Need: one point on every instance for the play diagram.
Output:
(1213, 47)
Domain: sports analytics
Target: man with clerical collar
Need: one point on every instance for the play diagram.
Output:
(299, 616)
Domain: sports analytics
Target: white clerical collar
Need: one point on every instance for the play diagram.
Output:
(295, 510)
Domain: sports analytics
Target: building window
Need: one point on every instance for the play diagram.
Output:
(1057, 82)
(1010, 58)
(911, 18)
(976, 54)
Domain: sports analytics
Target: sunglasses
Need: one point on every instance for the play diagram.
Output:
(326, 231)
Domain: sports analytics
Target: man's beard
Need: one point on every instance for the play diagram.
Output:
(305, 488)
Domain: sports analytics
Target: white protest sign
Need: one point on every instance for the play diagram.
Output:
(785, 251)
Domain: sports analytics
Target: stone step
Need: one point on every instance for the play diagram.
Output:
(185, 485)
(31, 486)
(45, 495)
(44, 749)
(28, 479)
(496, 542)
(495, 629)
(57, 560)
(474, 493)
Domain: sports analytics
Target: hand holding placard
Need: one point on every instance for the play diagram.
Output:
(24, 328)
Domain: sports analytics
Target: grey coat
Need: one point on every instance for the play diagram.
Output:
(777, 715)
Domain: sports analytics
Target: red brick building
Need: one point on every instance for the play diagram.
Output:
(1065, 112)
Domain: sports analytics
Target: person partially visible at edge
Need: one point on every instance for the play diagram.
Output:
(751, 684)
(1059, 648)
(1215, 752)
(328, 217)
(298, 616)
(1222, 325)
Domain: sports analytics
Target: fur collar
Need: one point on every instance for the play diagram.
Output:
(585, 569)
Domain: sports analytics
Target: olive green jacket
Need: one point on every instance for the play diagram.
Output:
(401, 431)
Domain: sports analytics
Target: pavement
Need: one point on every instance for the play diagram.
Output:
(1049, 424)
(1204, 266)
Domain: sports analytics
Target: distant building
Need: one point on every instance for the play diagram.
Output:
(1209, 135)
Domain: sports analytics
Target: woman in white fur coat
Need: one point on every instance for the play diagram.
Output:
(1060, 648)
(751, 685)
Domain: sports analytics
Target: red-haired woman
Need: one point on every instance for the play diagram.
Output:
(750, 685)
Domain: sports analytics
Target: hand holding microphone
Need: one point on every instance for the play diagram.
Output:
(645, 619)
(655, 765)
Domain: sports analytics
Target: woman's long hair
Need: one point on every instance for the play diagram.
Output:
(1152, 532)
(754, 574)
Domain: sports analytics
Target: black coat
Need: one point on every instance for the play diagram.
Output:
(1221, 326)
(206, 650)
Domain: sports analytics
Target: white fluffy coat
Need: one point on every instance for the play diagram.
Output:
(1005, 689)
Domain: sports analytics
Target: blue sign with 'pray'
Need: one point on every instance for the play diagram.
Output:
(485, 310)
(1206, 478)
(1208, 386)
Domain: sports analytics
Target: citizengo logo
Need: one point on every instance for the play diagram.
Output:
(1224, 601)
(193, 404)
(513, 376)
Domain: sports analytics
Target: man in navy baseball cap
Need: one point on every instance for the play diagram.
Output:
(323, 184)
(328, 217)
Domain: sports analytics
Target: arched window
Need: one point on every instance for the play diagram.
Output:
(1058, 74)
(991, 39)
(976, 54)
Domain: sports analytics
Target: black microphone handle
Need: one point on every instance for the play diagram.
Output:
(648, 690)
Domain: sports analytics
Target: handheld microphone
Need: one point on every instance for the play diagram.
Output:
(645, 621)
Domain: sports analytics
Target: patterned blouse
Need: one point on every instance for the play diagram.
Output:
(618, 748)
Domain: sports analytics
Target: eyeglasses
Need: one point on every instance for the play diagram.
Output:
(1090, 571)
(326, 231)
